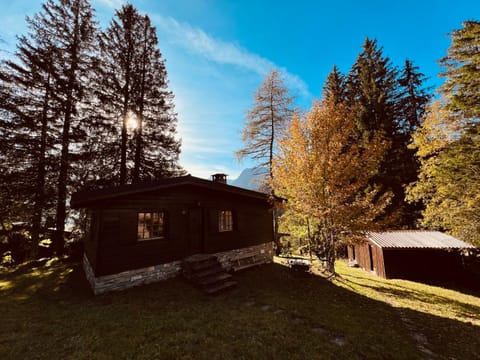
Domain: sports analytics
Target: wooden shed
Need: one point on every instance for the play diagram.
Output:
(143, 231)
(427, 255)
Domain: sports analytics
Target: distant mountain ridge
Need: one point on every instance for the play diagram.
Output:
(250, 178)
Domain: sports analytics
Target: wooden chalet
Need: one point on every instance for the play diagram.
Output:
(140, 233)
(427, 255)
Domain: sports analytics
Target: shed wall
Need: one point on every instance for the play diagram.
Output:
(369, 257)
(422, 264)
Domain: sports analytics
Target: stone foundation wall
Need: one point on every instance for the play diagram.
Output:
(256, 255)
(127, 279)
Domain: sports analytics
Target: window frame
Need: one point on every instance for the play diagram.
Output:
(161, 224)
(226, 221)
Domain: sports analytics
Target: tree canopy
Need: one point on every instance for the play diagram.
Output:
(325, 175)
(60, 111)
(266, 120)
(448, 143)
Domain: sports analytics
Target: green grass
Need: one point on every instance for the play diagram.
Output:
(48, 312)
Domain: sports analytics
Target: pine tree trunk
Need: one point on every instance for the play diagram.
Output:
(59, 238)
(138, 140)
(39, 201)
(123, 146)
(124, 135)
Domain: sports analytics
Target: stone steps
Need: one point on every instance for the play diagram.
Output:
(206, 272)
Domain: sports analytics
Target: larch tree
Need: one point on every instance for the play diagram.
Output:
(266, 120)
(325, 176)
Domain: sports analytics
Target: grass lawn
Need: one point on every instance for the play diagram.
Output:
(48, 312)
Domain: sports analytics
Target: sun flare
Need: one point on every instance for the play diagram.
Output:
(132, 121)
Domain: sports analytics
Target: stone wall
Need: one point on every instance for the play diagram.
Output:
(127, 279)
(246, 257)
(231, 260)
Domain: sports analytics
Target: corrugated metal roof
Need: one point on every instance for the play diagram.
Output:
(413, 239)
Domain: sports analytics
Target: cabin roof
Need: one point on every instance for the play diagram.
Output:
(416, 239)
(86, 197)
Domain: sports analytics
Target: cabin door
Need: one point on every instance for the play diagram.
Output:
(195, 231)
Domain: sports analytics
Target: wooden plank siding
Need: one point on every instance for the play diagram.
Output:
(191, 226)
(412, 264)
(368, 256)
(91, 237)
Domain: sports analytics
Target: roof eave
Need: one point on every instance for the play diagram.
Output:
(187, 180)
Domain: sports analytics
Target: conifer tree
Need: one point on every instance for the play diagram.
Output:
(462, 63)
(389, 104)
(70, 34)
(156, 148)
(449, 181)
(335, 86)
(412, 102)
(266, 120)
(372, 87)
(30, 126)
(448, 143)
(133, 87)
(414, 98)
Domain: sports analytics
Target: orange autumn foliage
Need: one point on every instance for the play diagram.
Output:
(325, 172)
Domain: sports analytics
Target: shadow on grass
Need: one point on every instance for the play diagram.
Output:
(466, 283)
(462, 309)
(273, 313)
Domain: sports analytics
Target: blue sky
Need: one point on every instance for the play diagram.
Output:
(218, 51)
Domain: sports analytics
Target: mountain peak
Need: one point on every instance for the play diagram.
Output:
(250, 178)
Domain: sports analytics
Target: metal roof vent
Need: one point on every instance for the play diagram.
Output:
(219, 178)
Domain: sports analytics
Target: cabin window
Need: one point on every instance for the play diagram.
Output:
(151, 226)
(225, 220)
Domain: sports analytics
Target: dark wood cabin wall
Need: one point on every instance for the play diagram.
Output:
(119, 249)
(422, 264)
(252, 226)
(91, 240)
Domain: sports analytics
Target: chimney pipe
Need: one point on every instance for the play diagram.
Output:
(219, 178)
